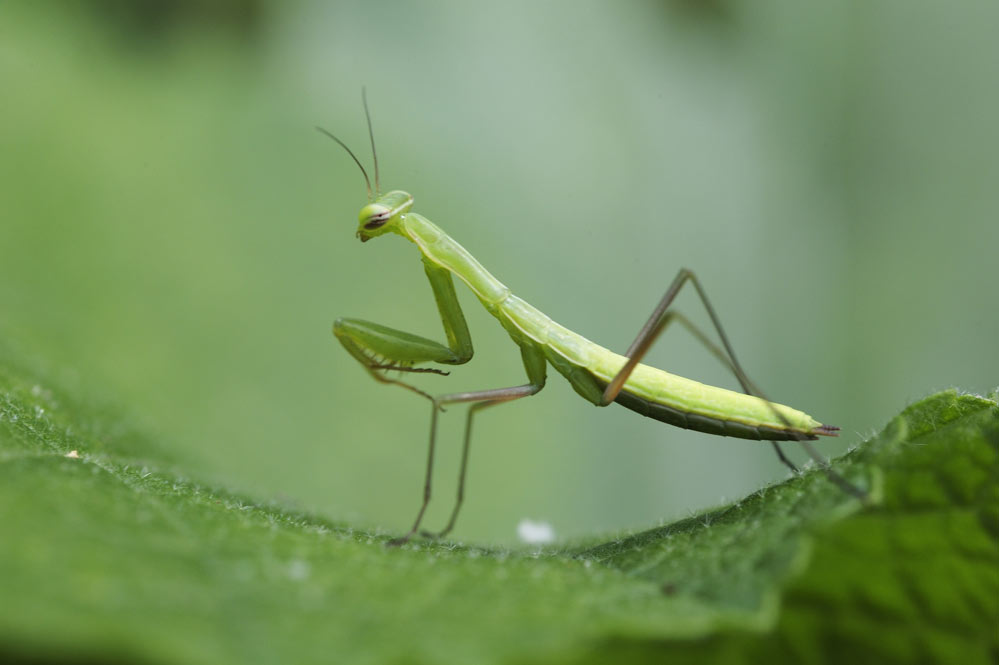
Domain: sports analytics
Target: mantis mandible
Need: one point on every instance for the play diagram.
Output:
(599, 375)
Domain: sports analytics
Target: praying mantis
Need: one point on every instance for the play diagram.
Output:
(599, 375)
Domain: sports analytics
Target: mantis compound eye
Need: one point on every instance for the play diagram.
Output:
(375, 222)
(374, 215)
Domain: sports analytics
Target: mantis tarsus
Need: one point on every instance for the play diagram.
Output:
(597, 374)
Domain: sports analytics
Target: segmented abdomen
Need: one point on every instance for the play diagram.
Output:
(702, 423)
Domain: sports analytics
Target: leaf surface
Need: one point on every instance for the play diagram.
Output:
(113, 553)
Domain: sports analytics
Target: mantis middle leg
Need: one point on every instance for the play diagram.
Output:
(535, 365)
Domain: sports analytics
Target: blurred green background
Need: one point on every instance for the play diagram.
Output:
(175, 233)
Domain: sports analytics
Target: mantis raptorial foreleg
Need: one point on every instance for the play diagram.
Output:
(380, 348)
(660, 320)
(534, 364)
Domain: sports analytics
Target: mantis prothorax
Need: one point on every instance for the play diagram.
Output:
(597, 374)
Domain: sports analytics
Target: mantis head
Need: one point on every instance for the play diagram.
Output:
(383, 214)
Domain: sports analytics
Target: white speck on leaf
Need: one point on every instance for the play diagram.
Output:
(535, 533)
(72, 455)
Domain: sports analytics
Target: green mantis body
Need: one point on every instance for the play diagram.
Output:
(596, 373)
(587, 366)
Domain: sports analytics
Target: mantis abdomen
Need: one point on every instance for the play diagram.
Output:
(650, 391)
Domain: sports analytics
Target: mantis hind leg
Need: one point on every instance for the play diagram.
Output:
(660, 320)
(534, 364)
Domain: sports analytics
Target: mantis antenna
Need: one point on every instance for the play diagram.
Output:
(371, 134)
(350, 152)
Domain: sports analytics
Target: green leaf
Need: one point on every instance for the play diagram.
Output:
(114, 554)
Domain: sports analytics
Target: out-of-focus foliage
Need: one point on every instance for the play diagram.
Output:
(172, 227)
(110, 555)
